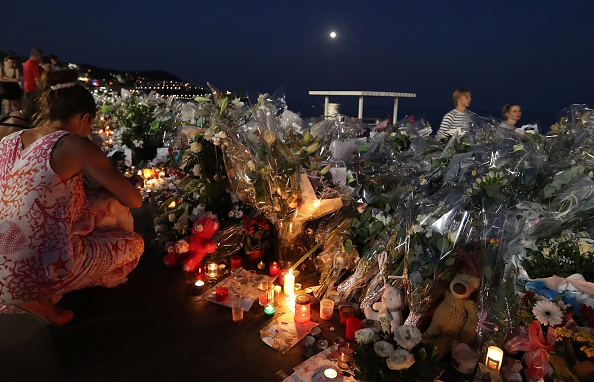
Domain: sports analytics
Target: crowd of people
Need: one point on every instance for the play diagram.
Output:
(56, 236)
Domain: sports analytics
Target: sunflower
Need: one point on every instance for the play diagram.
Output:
(547, 313)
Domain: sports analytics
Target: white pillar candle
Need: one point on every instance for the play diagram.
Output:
(289, 283)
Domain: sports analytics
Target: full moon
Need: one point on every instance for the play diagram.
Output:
(332, 34)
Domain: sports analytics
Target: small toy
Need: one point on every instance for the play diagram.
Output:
(387, 311)
(191, 251)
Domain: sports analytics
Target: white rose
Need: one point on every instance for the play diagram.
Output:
(400, 360)
(383, 348)
(196, 170)
(407, 336)
(364, 336)
(196, 147)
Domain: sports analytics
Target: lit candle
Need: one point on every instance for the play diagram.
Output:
(494, 358)
(199, 283)
(212, 270)
(147, 172)
(302, 308)
(330, 373)
(235, 261)
(269, 309)
(261, 265)
(289, 283)
(172, 204)
(274, 268)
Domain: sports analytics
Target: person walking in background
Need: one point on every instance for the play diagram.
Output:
(59, 238)
(54, 61)
(9, 82)
(31, 72)
(512, 112)
(46, 64)
(456, 120)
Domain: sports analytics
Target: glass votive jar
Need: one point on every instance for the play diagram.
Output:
(345, 354)
(326, 309)
(265, 292)
(315, 331)
(337, 341)
(212, 270)
(322, 345)
(273, 268)
(302, 308)
(235, 261)
(345, 311)
(221, 294)
(297, 289)
(334, 296)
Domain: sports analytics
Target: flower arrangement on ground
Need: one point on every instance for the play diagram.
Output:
(397, 356)
(257, 236)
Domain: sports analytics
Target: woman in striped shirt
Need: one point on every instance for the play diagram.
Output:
(456, 120)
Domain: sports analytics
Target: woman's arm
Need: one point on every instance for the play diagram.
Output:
(17, 75)
(73, 155)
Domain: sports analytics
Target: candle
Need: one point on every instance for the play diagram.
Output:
(345, 312)
(289, 283)
(172, 204)
(221, 294)
(352, 325)
(494, 358)
(330, 373)
(302, 308)
(281, 277)
(261, 265)
(212, 270)
(235, 261)
(147, 173)
(274, 268)
(199, 283)
(269, 309)
(265, 293)
(326, 309)
(334, 296)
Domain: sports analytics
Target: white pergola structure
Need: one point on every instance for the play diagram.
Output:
(361, 94)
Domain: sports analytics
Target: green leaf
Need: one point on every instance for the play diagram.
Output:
(224, 104)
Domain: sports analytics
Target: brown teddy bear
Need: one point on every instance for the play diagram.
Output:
(455, 318)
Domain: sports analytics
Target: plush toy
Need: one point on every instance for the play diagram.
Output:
(190, 252)
(387, 311)
(455, 318)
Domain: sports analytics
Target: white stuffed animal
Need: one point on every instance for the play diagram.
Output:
(387, 311)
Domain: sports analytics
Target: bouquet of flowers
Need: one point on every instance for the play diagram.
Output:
(257, 232)
(399, 357)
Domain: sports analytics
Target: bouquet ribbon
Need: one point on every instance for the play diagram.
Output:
(536, 344)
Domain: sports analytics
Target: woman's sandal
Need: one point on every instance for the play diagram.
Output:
(47, 315)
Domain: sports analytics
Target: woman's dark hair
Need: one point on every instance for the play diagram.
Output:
(60, 97)
(507, 107)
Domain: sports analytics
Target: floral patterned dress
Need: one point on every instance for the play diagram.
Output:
(53, 237)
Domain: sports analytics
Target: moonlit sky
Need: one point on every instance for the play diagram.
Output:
(539, 54)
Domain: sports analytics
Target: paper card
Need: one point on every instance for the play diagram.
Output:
(283, 333)
(312, 370)
(246, 287)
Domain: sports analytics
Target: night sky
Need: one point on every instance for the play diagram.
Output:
(539, 54)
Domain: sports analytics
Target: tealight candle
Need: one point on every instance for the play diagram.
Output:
(302, 308)
(274, 268)
(261, 265)
(269, 309)
(289, 283)
(494, 358)
(199, 283)
(330, 373)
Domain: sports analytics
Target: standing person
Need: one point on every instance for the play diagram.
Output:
(54, 237)
(46, 64)
(11, 90)
(54, 60)
(512, 112)
(457, 119)
(31, 72)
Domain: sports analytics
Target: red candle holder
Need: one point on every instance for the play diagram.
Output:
(345, 312)
(352, 325)
(281, 277)
(221, 294)
(235, 261)
(274, 268)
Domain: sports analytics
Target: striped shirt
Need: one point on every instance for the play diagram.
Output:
(454, 121)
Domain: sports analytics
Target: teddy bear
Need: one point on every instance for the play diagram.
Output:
(455, 318)
(387, 311)
(190, 252)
